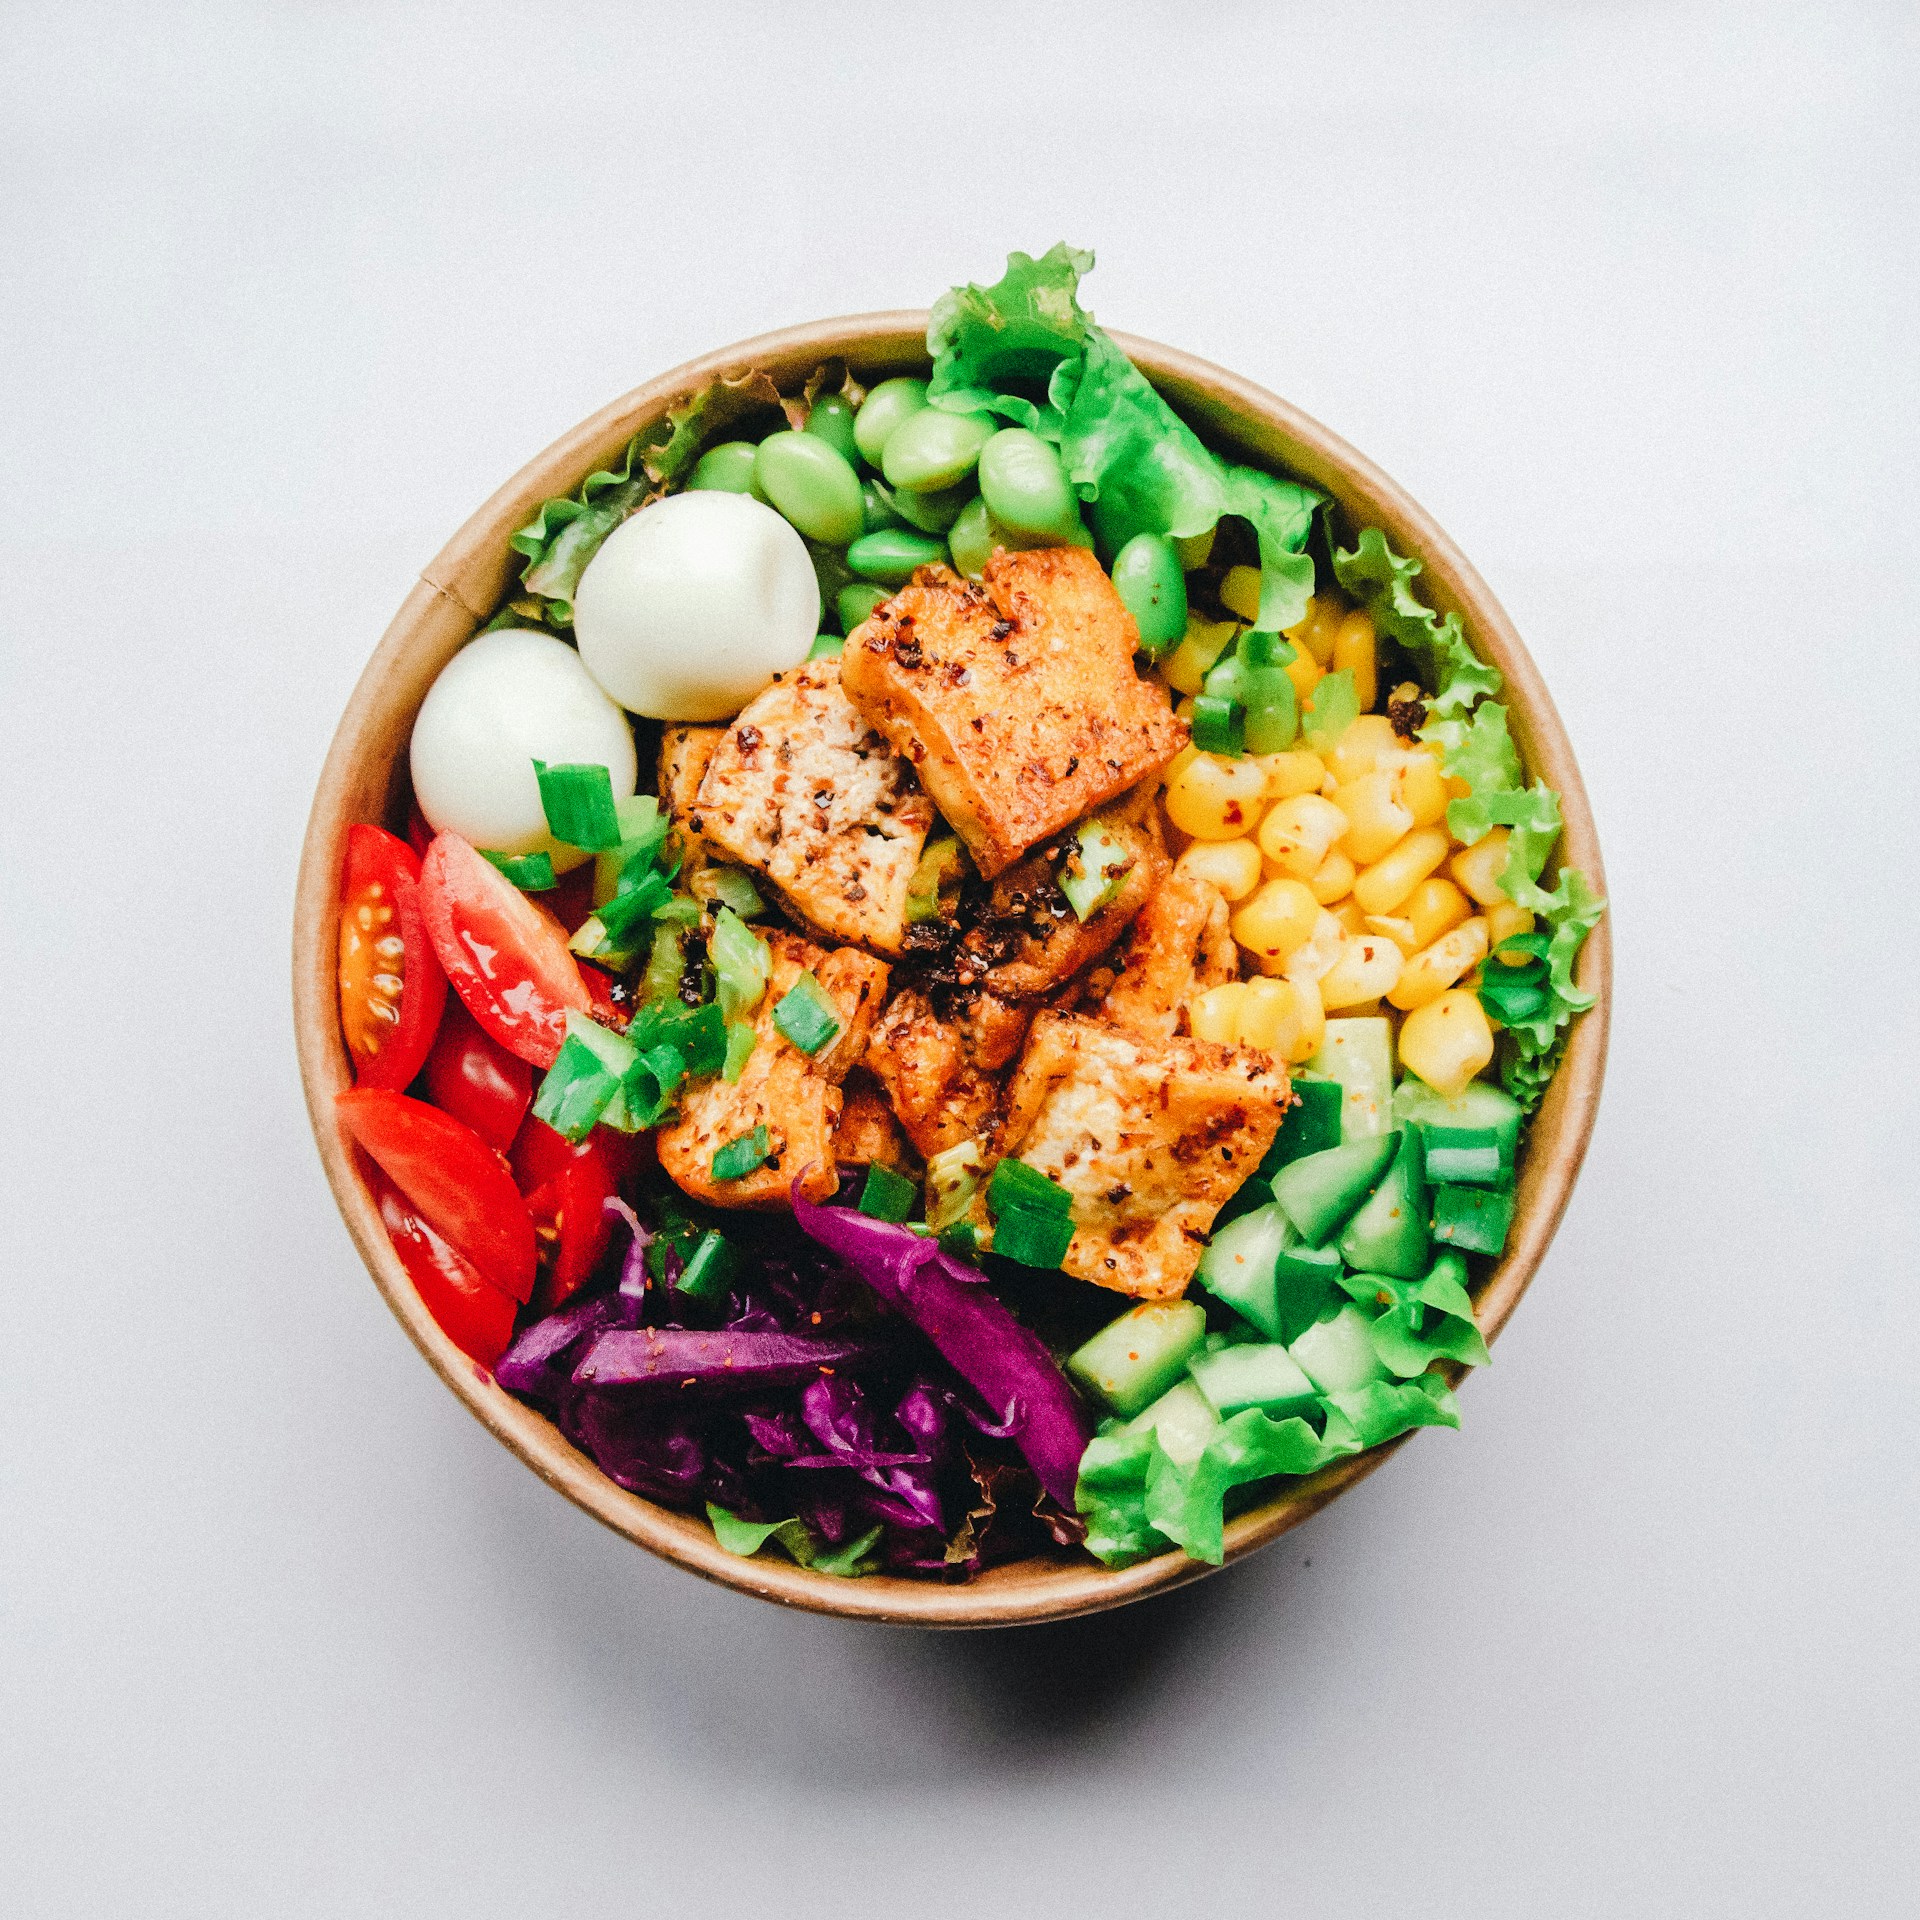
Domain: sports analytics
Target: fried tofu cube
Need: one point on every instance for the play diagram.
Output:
(932, 1076)
(795, 1096)
(1151, 1137)
(1182, 944)
(801, 789)
(867, 1134)
(685, 753)
(1016, 700)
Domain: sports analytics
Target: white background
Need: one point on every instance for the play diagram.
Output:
(1626, 295)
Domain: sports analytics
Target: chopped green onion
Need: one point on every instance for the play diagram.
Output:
(826, 646)
(578, 801)
(1097, 863)
(962, 1240)
(1219, 726)
(741, 1041)
(633, 906)
(1273, 710)
(1472, 1218)
(1031, 1238)
(1227, 680)
(576, 1091)
(742, 963)
(1015, 1184)
(729, 887)
(643, 832)
(665, 964)
(953, 1178)
(591, 942)
(806, 1016)
(708, 1273)
(1266, 650)
(530, 872)
(1331, 709)
(938, 873)
(887, 1195)
(697, 1034)
(742, 1155)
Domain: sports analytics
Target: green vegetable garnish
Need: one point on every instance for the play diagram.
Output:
(1332, 707)
(742, 1155)
(887, 1195)
(741, 1041)
(578, 802)
(806, 1016)
(1219, 726)
(729, 887)
(530, 872)
(1033, 1239)
(1097, 866)
(742, 964)
(1015, 1184)
(707, 1274)
(576, 1090)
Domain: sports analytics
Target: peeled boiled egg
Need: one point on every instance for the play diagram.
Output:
(692, 606)
(505, 700)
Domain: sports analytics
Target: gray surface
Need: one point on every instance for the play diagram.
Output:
(1625, 296)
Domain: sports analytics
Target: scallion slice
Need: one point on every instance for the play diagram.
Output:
(1219, 726)
(742, 1155)
(1015, 1184)
(1098, 862)
(887, 1195)
(1031, 1238)
(1273, 710)
(576, 1091)
(530, 872)
(709, 1271)
(729, 887)
(633, 906)
(741, 1041)
(827, 646)
(806, 1016)
(579, 805)
(1266, 650)
(742, 963)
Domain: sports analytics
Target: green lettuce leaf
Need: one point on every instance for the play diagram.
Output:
(1023, 327)
(1423, 1320)
(1381, 581)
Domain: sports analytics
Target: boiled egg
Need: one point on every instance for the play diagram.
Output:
(693, 605)
(505, 700)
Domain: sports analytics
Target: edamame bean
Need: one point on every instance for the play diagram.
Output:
(811, 486)
(933, 448)
(932, 512)
(854, 604)
(831, 419)
(891, 402)
(891, 556)
(975, 535)
(727, 468)
(1146, 571)
(878, 512)
(1024, 484)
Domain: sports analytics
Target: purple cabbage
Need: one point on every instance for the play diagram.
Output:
(668, 1360)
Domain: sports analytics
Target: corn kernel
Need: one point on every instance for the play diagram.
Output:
(1355, 650)
(1298, 834)
(1369, 965)
(1216, 1014)
(1316, 955)
(1332, 878)
(1400, 932)
(1505, 921)
(1435, 907)
(1434, 969)
(1348, 913)
(1421, 788)
(1386, 885)
(1480, 867)
(1282, 1018)
(1240, 592)
(1275, 921)
(1178, 765)
(1191, 661)
(1375, 818)
(1298, 770)
(1215, 799)
(1366, 745)
(1196, 550)
(1314, 635)
(1447, 1041)
(1305, 672)
(1230, 867)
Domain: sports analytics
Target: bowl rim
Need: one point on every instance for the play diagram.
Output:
(461, 589)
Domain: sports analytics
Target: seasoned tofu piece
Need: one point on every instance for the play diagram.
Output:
(931, 1071)
(1151, 1136)
(802, 790)
(1182, 944)
(867, 1134)
(797, 1098)
(1016, 700)
(684, 756)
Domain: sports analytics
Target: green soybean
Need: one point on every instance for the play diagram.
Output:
(854, 604)
(1147, 573)
(831, 419)
(932, 512)
(933, 449)
(811, 486)
(975, 535)
(891, 556)
(878, 510)
(727, 468)
(891, 402)
(1024, 484)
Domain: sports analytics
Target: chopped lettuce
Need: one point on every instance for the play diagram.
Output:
(1381, 581)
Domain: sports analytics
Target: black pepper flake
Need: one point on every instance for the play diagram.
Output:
(1407, 717)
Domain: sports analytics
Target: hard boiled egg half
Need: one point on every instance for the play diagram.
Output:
(693, 605)
(502, 702)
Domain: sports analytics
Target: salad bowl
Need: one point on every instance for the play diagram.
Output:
(365, 779)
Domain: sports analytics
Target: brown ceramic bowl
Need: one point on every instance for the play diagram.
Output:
(365, 779)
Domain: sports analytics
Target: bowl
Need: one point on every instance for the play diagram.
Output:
(365, 779)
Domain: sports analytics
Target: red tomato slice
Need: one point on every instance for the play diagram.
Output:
(473, 1077)
(507, 960)
(539, 1154)
(572, 1226)
(419, 834)
(476, 1317)
(458, 1184)
(570, 898)
(392, 986)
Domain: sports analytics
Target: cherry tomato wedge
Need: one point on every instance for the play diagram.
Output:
(539, 1153)
(572, 1227)
(570, 898)
(455, 1181)
(507, 960)
(392, 986)
(473, 1077)
(476, 1317)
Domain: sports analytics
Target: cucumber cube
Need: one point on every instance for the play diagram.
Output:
(1359, 1055)
(1466, 1156)
(1305, 1281)
(1472, 1218)
(1267, 1377)
(1389, 1233)
(1479, 1107)
(1337, 1354)
(1311, 1125)
(1132, 1360)
(1183, 1420)
(1322, 1192)
(1238, 1266)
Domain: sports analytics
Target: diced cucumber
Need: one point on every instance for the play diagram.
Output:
(1359, 1055)
(1304, 1283)
(1337, 1354)
(1472, 1218)
(1184, 1421)
(1479, 1107)
(1322, 1192)
(1238, 1266)
(1267, 1377)
(1389, 1233)
(1466, 1156)
(1311, 1125)
(1139, 1356)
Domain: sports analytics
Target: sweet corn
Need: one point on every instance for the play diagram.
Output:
(1434, 969)
(1375, 818)
(1240, 592)
(1348, 913)
(1282, 1018)
(1447, 1041)
(1366, 745)
(1190, 662)
(1196, 550)
(1332, 878)
(1355, 650)
(1275, 921)
(1230, 867)
(1400, 932)
(1305, 672)
(1298, 770)
(1314, 958)
(1298, 834)
(1480, 866)
(1178, 765)
(1505, 921)
(1434, 907)
(1216, 799)
(1421, 788)
(1314, 635)
(1216, 1014)
(1386, 885)
(1369, 965)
